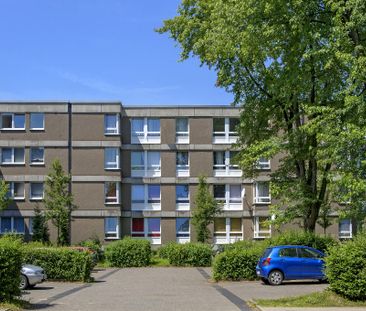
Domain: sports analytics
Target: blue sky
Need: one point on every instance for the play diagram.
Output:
(97, 50)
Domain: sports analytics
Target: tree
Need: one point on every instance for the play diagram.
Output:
(298, 71)
(4, 195)
(59, 202)
(205, 211)
(40, 228)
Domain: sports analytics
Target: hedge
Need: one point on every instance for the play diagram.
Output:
(189, 254)
(128, 253)
(346, 268)
(10, 266)
(60, 263)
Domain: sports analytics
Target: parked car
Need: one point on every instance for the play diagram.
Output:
(290, 262)
(31, 275)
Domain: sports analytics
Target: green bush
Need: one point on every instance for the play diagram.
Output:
(245, 244)
(236, 264)
(96, 246)
(189, 254)
(128, 253)
(60, 263)
(346, 268)
(10, 266)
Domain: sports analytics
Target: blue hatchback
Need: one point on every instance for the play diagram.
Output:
(290, 262)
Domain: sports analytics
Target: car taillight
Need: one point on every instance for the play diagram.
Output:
(266, 262)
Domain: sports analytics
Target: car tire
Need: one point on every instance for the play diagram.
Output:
(23, 282)
(275, 277)
(265, 281)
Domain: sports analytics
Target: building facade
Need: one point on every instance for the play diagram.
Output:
(134, 170)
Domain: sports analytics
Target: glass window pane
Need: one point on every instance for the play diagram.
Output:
(111, 224)
(181, 125)
(233, 123)
(18, 224)
(137, 125)
(138, 193)
(137, 159)
(182, 159)
(263, 223)
(153, 224)
(137, 225)
(110, 124)
(153, 193)
(219, 191)
(111, 189)
(18, 190)
(219, 158)
(153, 159)
(219, 124)
(220, 225)
(235, 224)
(7, 121)
(235, 191)
(263, 189)
(6, 155)
(5, 224)
(153, 125)
(182, 225)
(19, 121)
(19, 155)
(288, 252)
(182, 191)
(37, 155)
(37, 121)
(344, 225)
(111, 158)
(36, 190)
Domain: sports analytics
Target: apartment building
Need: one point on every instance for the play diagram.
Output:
(134, 170)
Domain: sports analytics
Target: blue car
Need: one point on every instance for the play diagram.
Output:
(290, 262)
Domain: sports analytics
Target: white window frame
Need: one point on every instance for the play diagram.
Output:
(264, 164)
(227, 169)
(145, 170)
(145, 136)
(146, 205)
(153, 240)
(183, 239)
(229, 137)
(12, 225)
(117, 167)
(116, 233)
(227, 204)
(261, 200)
(30, 156)
(33, 198)
(117, 198)
(182, 170)
(180, 136)
(12, 156)
(182, 204)
(111, 131)
(36, 128)
(12, 122)
(261, 234)
(228, 236)
(345, 234)
(11, 190)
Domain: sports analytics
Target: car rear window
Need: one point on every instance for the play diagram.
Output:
(267, 252)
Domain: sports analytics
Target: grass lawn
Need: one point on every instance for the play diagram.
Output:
(322, 299)
(156, 261)
(15, 305)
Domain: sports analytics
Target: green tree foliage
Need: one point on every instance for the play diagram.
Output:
(40, 228)
(298, 70)
(205, 211)
(59, 202)
(4, 195)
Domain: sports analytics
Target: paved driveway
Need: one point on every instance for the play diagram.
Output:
(160, 289)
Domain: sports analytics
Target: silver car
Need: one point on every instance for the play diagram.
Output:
(30, 276)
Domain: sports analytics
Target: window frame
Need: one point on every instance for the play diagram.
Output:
(183, 236)
(263, 164)
(348, 234)
(12, 188)
(30, 156)
(109, 131)
(226, 136)
(34, 198)
(145, 136)
(117, 160)
(13, 128)
(182, 170)
(181, 137)
(12, 225)
(229, 204)
(261, 199)
(114, 235)
(258, 232)
(12, 156)
(228, 236)
(227, 169)
(31, 128)
(146, 233)
(146, 170)
(146, 204)
(117, 197)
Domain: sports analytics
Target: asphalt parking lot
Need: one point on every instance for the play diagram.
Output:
(158, 289)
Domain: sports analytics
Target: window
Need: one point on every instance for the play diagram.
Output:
(308, 253)
(37, 155)
(111, 192)
(262, 228)
(182, 230)
(345, 229)
(145, 130)
(13, 121)
(36, 191)
(145, 197)
(16, 190)
(37, 121)
(182, 197)
(263, 164)
(288, 252)
(152, 161)
(224, 164)
(12, 224)
(111, 228)
(227, 230)
(262, 194)
(219, 160)
(111, 124)
(148, 228)
(182, 164)
(230, 196)
(30, 226)
(12, 156)
(111, 158)
(182, 133)
(225, 130)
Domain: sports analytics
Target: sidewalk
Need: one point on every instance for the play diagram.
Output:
(312, 309)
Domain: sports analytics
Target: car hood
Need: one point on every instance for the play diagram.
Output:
(32, 267)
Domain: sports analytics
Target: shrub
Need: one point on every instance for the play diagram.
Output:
(128, 253)
(60, 263)
(96, 246)
(189, 254)
(10, 266)
(346, 268)
(236, 264)
(245, 244)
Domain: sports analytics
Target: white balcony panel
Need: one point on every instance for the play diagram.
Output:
(183, 173)
(183, 240)
(182, 139)
(182, 207)
(146, 207)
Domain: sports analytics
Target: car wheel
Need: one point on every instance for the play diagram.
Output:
(275, 277)
(23, 282)
(265, 281)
